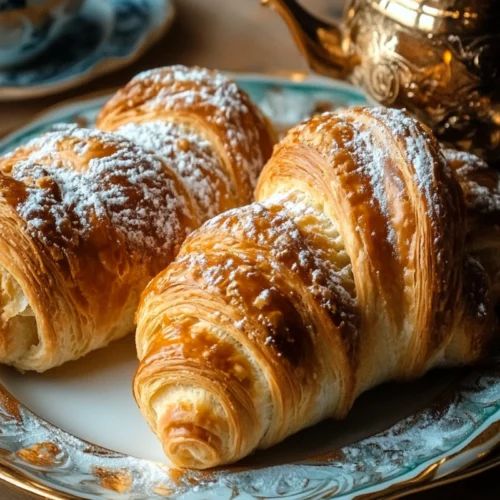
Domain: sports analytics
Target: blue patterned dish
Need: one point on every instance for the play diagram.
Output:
(396, 439)
(104, 36)
(27, 27)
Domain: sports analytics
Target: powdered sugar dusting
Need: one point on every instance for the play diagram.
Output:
(192, 156)
(121, 184)
(481, 185)
(373, 159)
(269, 226)
(317, 227)
(181, 73)
(229, 111)
(416, 150)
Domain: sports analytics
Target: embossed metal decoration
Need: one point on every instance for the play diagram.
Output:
(460, 423)
(439, 59)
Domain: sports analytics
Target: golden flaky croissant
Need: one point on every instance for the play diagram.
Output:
(87, 218)
(349, 271)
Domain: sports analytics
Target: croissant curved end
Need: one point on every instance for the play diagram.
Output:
(190, 446)
(189, 431)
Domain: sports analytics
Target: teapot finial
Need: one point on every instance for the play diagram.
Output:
(319, 41)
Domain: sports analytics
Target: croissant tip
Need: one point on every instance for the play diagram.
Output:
(191, 446)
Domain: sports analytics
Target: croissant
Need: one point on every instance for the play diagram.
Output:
(87, 218)
(481, 188)
(351, 270)
(202, 124)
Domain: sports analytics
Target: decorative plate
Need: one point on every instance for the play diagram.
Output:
(104, 36)
(398, 437)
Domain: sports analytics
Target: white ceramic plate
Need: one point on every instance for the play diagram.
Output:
(396, 438)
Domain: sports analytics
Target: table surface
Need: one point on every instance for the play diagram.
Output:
(237, 35)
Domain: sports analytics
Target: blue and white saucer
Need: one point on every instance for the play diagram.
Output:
(104, 36)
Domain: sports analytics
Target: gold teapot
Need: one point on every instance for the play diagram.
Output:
(439, 59)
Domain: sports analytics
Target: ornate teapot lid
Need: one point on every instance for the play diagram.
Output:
(443, 16)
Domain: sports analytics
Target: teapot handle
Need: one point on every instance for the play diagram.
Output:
(320, 42)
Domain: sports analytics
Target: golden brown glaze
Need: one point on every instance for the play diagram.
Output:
(351, 270)
(203, 125)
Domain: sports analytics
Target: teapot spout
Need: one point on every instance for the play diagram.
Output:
(320, 42)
